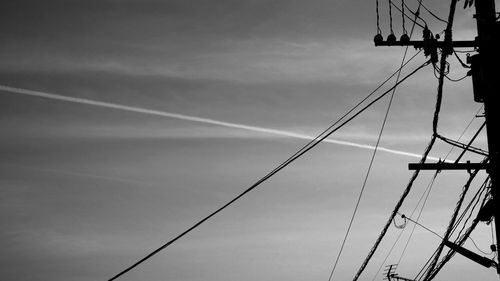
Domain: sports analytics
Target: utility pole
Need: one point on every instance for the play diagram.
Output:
(488, 30)
(486, 84)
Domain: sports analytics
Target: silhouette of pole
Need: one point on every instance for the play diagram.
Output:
(488, 40)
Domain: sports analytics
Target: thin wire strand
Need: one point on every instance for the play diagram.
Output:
(413, 20)
(390, 16)
(477, 247)
(456, 80)
(464, 65)
(433, 14)
(403, 15)
(378, 17)
(421, 225)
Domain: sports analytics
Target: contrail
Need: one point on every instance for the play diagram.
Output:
(199, 119)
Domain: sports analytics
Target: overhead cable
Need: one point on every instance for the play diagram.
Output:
(390, 16)
(378, 17)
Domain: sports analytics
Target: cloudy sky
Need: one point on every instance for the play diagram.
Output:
(89, 188)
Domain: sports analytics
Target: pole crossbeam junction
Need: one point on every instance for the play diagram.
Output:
(448, 166)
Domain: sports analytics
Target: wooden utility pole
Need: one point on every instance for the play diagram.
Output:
(488, 76)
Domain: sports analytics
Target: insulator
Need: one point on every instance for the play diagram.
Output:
(404, 38)
(378, 39)
(391, 38)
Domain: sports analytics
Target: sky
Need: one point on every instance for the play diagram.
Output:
(125, 122)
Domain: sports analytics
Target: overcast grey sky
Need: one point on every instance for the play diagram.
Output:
(86, 190)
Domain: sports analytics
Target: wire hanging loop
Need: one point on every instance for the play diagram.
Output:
(403, 225)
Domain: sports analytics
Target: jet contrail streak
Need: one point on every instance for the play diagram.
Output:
(199, 119)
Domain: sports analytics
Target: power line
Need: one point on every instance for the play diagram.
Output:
(390, 16)
(299, 153)
(458, 79)
(378, 17)
(403, 15)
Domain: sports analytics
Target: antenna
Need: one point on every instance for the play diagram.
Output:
(391, 275)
